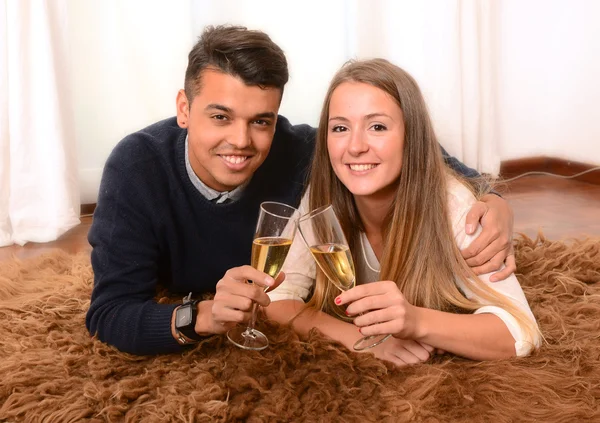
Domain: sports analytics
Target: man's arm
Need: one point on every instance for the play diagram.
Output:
(458, 166)
(494, 246)
(125, 258)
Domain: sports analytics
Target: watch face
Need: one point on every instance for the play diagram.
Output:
(183, 317)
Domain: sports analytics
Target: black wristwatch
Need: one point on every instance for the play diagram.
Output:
(185, 320)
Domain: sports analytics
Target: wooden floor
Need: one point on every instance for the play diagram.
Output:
(560, 208)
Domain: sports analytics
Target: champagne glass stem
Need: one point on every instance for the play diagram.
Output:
(252, 322)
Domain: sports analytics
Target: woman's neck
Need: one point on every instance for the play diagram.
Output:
(373, 211)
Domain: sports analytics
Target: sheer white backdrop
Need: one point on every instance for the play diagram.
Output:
(39, 196)
(503, 79)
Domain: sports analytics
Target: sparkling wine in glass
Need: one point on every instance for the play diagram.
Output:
(275, 231)
(323, 234)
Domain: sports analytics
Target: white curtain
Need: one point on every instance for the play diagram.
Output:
(76, 76)
(39, 195)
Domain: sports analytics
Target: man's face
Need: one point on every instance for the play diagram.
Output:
(230, 128)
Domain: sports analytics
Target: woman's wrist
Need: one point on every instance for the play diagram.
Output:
(422, 319)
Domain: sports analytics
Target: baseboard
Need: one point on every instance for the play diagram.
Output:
(87, 209)
(512, 168)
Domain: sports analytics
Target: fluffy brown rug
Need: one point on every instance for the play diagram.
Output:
(51, 370)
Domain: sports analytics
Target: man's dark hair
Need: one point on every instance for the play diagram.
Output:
(237, 51)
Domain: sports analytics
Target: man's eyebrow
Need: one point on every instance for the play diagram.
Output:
(265, 115)
(219, 107)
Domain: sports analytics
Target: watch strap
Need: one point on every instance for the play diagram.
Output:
(188, 331)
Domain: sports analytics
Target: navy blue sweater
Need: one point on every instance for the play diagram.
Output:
(151, 224)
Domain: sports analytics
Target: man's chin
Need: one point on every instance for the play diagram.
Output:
(229, 184)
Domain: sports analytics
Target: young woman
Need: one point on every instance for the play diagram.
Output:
(377, 161)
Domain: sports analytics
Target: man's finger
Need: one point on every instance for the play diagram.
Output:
(485, 238)
(225, 316)
(244, 273)
(510, 268)
(250, 291)
(488, 253)
(474, 215)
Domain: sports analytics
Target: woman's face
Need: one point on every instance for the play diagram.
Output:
(365, 139)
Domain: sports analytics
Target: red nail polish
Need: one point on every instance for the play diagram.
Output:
(338, 300)
(347, 314)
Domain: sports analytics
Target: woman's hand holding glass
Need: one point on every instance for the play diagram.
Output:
(380, 308)
(321, 231)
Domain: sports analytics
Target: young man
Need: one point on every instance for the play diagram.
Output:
(179, 200)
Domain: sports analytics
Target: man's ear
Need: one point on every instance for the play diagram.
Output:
(183, 109)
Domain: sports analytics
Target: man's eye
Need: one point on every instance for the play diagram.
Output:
(219, 117)
(339, 128)
(262, 122)
(379, 127)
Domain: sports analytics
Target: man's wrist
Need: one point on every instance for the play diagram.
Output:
(204, 318)
(185, 337)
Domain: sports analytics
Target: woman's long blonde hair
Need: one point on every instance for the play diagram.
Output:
(419, 253)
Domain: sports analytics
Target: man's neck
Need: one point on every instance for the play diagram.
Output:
(209, 193)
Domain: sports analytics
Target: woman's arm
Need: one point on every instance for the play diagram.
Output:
(490, 333)
(398, 351)
(284, 311)
(474, 336)
(385, 310)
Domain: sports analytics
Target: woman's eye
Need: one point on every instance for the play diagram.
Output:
(379, 127)
(338, 128)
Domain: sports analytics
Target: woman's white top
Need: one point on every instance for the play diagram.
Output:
(300, 269)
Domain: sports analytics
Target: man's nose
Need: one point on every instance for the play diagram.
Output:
(240, 137)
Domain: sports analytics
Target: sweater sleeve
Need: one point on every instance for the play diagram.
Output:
(125, 255)
(464, 170)
(458, 166)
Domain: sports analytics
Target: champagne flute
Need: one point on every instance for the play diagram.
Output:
(321, 231)
(275, 231)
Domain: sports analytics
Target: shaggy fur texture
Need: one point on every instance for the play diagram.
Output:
(51, 369)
